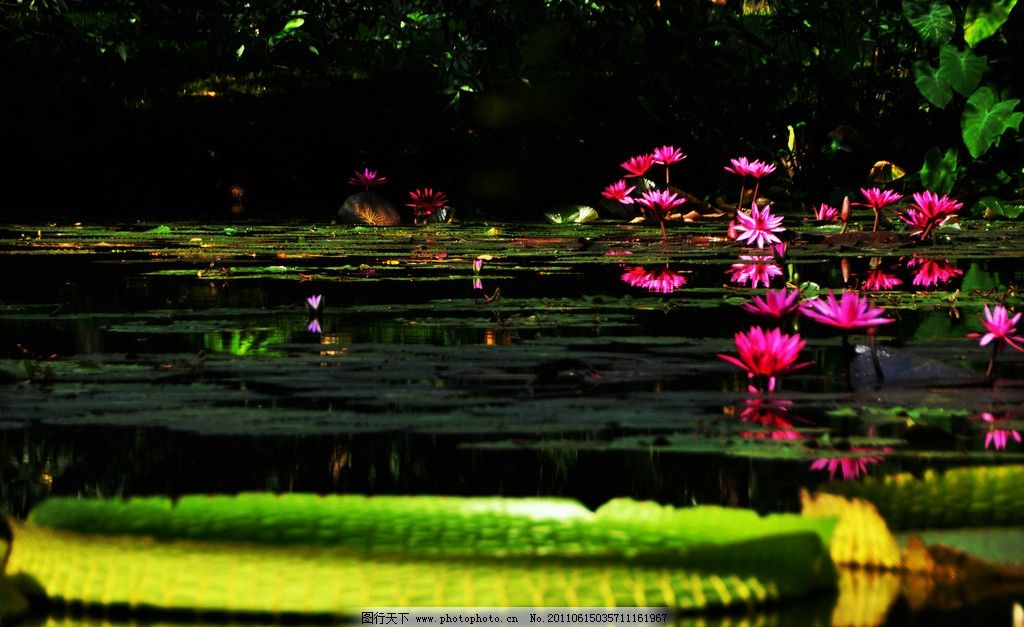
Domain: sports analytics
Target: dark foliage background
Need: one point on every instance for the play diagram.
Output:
(141, 108)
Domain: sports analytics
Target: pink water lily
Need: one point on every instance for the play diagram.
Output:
(1001, 327)
(928, 211)
(878, 280)
(759, 226)
(367, 178)
(877, 199)
(931, 272)
(620, 191)
(667, 155)
(745, 167)
(754, 269)
(849, 467)
(767, 353)
(426, 201)
(826, 213)
(663, 280)
(638, 166)
(659, 204)
(775, 304)
(850, 312)
(314, 302)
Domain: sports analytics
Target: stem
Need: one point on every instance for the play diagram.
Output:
(992, 361)
(757, 186)
(666, 175)
(846, 361)
(879, 375)
(875, 227)
(739, 205)
(664, 233)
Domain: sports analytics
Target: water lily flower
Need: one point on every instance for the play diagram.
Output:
(426, 201)
(667, 155)
(775, 304)
(878, 280)
(478, 264)
(744, 167)
(314, 302)
(876, 199)
(850, 312)
(759, 226)
(928, 211)
(849, 467)
(366, 178)
(1002, 329)
(997, 438)
(618, 191)
(931, 272)
(826, 213)
(758, 270)
(638, 166)
(313, 326)
(767, 353)
(664, 280)
(660, 204)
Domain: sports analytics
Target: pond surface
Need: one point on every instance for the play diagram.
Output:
(482, 359)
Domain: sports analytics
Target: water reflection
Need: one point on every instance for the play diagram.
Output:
(851, 465)
(997, 438)
(932, 272)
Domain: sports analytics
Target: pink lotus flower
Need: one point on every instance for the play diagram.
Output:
(638, 166)
(755, 168)
(618, 191)
(998, 438)
(767, 354)
(1001, 328)
(660, 203)
(758, 270)
(366, 178)
(878, 280)
(667, 155)
(759, 226)
(850, 312)
(426, 201)
(931, 272)
(928, 211)
(775, 304)
(850, 467)
(826, 213)
(314, 302)
(663, 280)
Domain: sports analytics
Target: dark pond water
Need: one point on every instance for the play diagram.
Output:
(146, 359)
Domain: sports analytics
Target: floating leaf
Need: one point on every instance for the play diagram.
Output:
(961, 70)
(984, 17)
(575, 215)
(992, 207)
(938, 174)
(931, 85)
(932, 20)
(985, 120)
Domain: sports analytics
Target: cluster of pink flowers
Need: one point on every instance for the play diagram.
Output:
(662, 280)
(655, 204)
(425, 202)
(928, 211)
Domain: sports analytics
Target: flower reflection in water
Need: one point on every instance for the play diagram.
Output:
(775, 303)
(850, 467)
(878, 280)
(998, 438)
(770, 413)
(931, 272)
(755, 270)
(664, 280)
(314, 326)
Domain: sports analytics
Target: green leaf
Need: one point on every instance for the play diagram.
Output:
(985, 120)
(932, 20)
(961, 70)
(573, 215)
(240, 51)
(293, 23)
(992, 207)
(931, 85)
(984, 17)
(938, 174)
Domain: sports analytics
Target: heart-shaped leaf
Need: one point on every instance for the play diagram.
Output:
(933, 20)
(985, 120)
(984, 17)
(961, 70)
(938, 174)
(931, 85)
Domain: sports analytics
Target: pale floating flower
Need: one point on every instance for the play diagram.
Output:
(758, 227)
